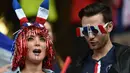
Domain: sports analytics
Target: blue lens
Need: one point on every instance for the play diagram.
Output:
(85, 31)
(93, 29)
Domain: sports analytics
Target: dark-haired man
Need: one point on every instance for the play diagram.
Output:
(103, 55)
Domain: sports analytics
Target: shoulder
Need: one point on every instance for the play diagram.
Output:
(121, 48)
(16, 71)
(122, 51)
(48, 71)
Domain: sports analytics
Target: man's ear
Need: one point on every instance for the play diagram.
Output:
(109, 27)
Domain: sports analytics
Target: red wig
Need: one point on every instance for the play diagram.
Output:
(21, 48)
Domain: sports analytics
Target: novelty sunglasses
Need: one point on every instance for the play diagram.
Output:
(95, 30)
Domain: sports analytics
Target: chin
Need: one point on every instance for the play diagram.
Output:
(93, 47)
(36, 59)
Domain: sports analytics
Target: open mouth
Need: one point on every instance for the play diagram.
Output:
(36, 52)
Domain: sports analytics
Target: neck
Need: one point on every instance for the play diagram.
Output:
(31, 67)
(98, 54)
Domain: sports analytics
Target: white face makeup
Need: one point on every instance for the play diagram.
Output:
(37, 53)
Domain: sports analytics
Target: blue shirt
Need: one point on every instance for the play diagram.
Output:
(100, 66)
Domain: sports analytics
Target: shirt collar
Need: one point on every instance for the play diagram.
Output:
(109, 56)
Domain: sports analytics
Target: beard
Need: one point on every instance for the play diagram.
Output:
(98, 44)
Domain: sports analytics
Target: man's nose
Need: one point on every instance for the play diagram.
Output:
(90, 35)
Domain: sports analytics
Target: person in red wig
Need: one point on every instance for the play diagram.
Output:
(32, 45)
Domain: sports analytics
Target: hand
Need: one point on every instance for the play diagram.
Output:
(5, 68)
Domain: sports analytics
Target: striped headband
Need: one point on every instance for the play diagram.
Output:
(42, 14)
(84, 31)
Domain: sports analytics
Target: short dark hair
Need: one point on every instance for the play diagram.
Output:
(96, 8)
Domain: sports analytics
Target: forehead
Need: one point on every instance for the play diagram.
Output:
(92, 20)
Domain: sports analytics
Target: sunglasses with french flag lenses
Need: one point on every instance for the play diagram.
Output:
(91, 29)
(85, 31)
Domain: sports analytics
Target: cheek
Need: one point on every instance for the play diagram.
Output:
(29, 45)
(44, 48)
(29, 54)
(86, 38)
(43, 45)
(44, 52)
(29, 51)
(29, 48)
(103, 39)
